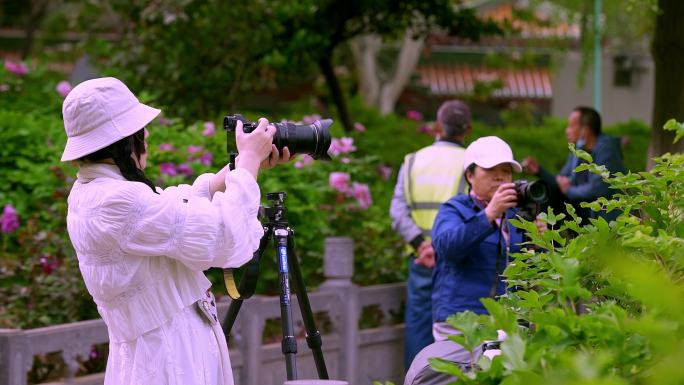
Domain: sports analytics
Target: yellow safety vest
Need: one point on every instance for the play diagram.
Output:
(432, 175)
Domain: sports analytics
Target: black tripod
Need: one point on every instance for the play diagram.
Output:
(283, 237)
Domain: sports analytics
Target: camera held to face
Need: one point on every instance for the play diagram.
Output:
(533, 198)
(311, 139)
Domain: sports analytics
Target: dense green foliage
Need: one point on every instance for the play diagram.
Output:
(39, 269)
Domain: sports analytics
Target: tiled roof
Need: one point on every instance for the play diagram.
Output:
(458, 80)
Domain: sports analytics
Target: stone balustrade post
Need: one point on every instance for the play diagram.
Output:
(14, 360)
(338, 269)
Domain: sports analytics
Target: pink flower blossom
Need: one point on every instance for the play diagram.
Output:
(345, 160)
(194, 149)
(414, 115)
(184, 169)
(341, 146)
(63, 88)
(385, 172)
(48, 263)
(359, 127)
(425, 129)
(4, 87)
(168, 168)
(167, 147)
(206, 158)
(9, 221)
(308, 119)
(209, 129)
(19, 69)
(303, 161)
(339, 181)
(361, 193)
(164, 121)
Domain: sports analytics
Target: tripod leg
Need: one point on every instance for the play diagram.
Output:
(289, 343)
(313, 336)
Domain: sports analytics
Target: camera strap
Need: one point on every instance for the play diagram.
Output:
(250, 273)
(248, 280)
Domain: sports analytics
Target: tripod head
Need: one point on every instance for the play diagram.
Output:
(275, 214)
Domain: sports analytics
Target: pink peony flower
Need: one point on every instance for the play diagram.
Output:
(168, 168)
(345, 160)
(4, 87)
(303, 161)
(184, 169)
(385, 172)
(19, 69)
(425, 129)
(194, 149)
(9, 221)
(209, 129)
(339, 181)
(361, 193)
(359, 127)
(206, 158)
(63, 88)
(167, 147)
(414, 115)
(341, 146)
(164, 121)
(308, 119)
(48, 263)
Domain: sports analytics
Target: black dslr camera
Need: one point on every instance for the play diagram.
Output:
(533, 198)
(311, 139)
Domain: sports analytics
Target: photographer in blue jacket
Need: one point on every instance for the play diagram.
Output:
(472, 237)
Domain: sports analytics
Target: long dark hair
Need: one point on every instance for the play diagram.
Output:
(121, 152)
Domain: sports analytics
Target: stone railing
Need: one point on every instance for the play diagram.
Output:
(358, 356)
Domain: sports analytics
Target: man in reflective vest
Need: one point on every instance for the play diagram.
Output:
(428, 178)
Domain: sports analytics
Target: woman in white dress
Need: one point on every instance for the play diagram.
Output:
(142, 250)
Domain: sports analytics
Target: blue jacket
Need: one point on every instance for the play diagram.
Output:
(586, 186)
(466, 252)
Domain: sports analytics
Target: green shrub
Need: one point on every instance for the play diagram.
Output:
(602, 306)
(39, 268)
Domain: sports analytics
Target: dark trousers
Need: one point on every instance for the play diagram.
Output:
(418, 314)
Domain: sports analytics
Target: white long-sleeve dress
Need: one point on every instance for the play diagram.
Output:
(142, 255)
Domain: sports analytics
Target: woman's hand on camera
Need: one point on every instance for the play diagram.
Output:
(504, 198)
(255, 146)
(275, 157)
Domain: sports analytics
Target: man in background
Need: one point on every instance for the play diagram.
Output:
(427, 178)
(584, 130)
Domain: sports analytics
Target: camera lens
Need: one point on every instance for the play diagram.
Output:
(312, 139)
(537, 192)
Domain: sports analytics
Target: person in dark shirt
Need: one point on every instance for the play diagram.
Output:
(584, 130)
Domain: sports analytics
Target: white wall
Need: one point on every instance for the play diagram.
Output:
(618, 103)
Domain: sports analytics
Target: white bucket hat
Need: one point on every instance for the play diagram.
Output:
(100, 112)
(488, 152)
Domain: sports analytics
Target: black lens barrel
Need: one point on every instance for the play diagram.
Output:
(311, 139)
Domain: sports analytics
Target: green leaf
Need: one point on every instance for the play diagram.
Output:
(513, 353)
(673, 125)
(443, 366)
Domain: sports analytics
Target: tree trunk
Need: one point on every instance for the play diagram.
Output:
(406, 64)
(38, 8)
(336, 92)
(378, 88)
(365, 49)
(668, 56)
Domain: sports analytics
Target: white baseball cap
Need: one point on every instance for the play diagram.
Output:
(488, 152)
(100, 112)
